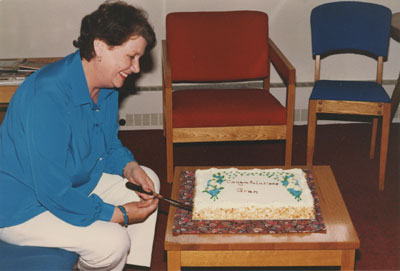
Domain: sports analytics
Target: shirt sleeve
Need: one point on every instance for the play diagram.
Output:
(48, 139)
(117, 154)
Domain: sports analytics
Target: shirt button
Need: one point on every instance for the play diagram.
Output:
(101, 158)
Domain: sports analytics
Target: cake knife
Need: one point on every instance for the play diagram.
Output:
(175, 203)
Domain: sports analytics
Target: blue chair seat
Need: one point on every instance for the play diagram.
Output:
(13, 257)
(349, 91)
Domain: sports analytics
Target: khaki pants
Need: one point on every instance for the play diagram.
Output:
(102, 245)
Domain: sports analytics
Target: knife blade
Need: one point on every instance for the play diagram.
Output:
(173, 202)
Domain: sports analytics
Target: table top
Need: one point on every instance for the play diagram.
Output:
(8, 90)
(395, 30)
(340, 232)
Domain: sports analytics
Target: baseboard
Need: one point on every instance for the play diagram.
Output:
(154, 121)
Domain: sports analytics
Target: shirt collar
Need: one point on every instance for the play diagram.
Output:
(79, 86)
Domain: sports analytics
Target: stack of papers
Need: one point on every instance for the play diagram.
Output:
(15, 71)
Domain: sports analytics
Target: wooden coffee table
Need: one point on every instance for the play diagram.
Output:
(336, 247)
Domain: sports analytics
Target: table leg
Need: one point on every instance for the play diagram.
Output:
(174, 261)
(3, 109)
(348, 259)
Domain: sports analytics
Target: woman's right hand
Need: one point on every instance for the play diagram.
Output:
(137, 211)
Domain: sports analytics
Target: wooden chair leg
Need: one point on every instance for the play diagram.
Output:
(170, 164)
(373, 138)
(289, 146)
(384, 145)
(170, 156)
(164, 133)
(312, 121)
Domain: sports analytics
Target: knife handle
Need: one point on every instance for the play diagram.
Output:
(137, 188)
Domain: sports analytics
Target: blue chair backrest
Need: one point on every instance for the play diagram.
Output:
(349, 25)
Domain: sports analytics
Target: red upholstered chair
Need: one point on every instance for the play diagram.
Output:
(215, 47)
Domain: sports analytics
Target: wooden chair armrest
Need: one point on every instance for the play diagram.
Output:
(288, 74)
(167, 80)
(282, 65)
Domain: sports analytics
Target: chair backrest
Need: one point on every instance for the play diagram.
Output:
(217, 46)
(349, 25)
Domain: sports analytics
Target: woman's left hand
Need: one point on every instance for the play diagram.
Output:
(135, 174)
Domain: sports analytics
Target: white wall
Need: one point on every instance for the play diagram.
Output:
(33, 28)
(46, 28)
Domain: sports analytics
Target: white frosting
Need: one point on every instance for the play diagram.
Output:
(240, 191)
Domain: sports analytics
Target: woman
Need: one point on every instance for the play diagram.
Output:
(61, 163)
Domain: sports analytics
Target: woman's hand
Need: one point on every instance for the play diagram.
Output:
(135, 174)
(137, 211)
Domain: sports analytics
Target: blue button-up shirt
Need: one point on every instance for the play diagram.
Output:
(55, 143)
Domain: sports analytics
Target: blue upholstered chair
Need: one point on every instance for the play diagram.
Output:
(24, 258)
(359, 28)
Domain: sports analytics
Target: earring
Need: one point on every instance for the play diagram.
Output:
(99, 58)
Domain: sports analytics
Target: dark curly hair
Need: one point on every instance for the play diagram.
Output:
(114, 23)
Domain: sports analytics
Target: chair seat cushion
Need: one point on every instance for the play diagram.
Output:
(349, 91)
(15, 257)
(226, 107)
